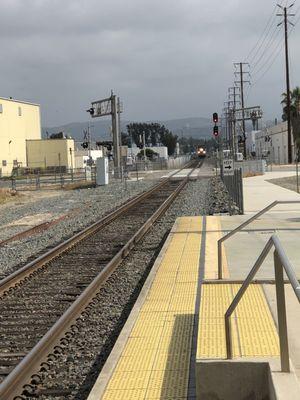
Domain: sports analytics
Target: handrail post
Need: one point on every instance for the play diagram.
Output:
(281, 314)
(220, 260)
(228, 337)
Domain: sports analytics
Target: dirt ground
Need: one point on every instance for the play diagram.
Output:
(287, 182)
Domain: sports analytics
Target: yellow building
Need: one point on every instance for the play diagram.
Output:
(19, 121)
(45, 153)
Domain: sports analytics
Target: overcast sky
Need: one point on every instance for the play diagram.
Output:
(165, 58)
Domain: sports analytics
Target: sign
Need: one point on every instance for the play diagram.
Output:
(248, 113)
(228, 168)
(104, 107)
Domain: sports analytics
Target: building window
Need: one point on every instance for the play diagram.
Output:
(20, 111)
(4, 163)
(1, 109)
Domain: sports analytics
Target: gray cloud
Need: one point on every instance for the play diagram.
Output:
(166, 58)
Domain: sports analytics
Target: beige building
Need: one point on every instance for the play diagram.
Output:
(19, 121)
(45, 153)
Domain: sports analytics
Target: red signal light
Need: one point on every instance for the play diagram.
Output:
(216, 131)
(215, 117)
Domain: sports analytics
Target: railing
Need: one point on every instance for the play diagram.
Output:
(280, 262)
(240, 227)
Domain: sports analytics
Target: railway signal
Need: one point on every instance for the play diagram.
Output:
(91, 111)
(215, 117)
(216, 131)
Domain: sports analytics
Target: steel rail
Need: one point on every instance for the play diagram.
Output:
(240, 227)
(281, 262)
(14, 383)
(17, 278)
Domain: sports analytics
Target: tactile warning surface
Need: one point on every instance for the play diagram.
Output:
(155, 361)
(253, 329)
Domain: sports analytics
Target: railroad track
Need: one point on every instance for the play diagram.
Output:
(51, 292)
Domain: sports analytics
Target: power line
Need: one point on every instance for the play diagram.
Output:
(276, 54)
(262, 35)
(270, 65)
(268, 48)
(272, 20)
(271, 57)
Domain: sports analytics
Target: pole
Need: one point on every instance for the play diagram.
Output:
(288, 99)
(243, 113)
(119, 127)
(115, 132)
(89, 141)
(72, 177)
(144, 146)
(234, 124)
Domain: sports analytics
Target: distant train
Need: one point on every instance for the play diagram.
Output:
(201, 152)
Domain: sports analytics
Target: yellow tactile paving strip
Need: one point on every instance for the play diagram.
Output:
(155, 361)
(213, 234)
(253, 329)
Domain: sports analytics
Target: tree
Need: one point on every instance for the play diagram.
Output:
(149, 154)
(295, 103)
(295, 113)
(155, 133)
(169, 140)
(125, 140)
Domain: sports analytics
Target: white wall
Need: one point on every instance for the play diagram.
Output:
(277, 144)
(81, 156)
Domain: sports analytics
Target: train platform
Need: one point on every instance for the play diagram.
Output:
(173, 344)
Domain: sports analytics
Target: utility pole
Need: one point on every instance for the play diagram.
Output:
(229, 127)
(232, 92)
(287, 75)
(89, 142)
(241, 83)
(116, 135)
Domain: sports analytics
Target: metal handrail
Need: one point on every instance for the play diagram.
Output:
(280, 261)
(240, 227)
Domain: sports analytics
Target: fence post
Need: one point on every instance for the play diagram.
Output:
(13, 184)
(37, 182)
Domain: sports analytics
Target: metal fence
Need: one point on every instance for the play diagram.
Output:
(234, 186)
(50, 180)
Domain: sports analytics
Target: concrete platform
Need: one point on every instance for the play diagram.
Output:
(179, 318)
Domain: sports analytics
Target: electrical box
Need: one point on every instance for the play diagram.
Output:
(102, 171)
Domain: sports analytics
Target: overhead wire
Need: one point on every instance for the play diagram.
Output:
(264, 45)
(273, 59)
(262, 35)
(262, 48)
